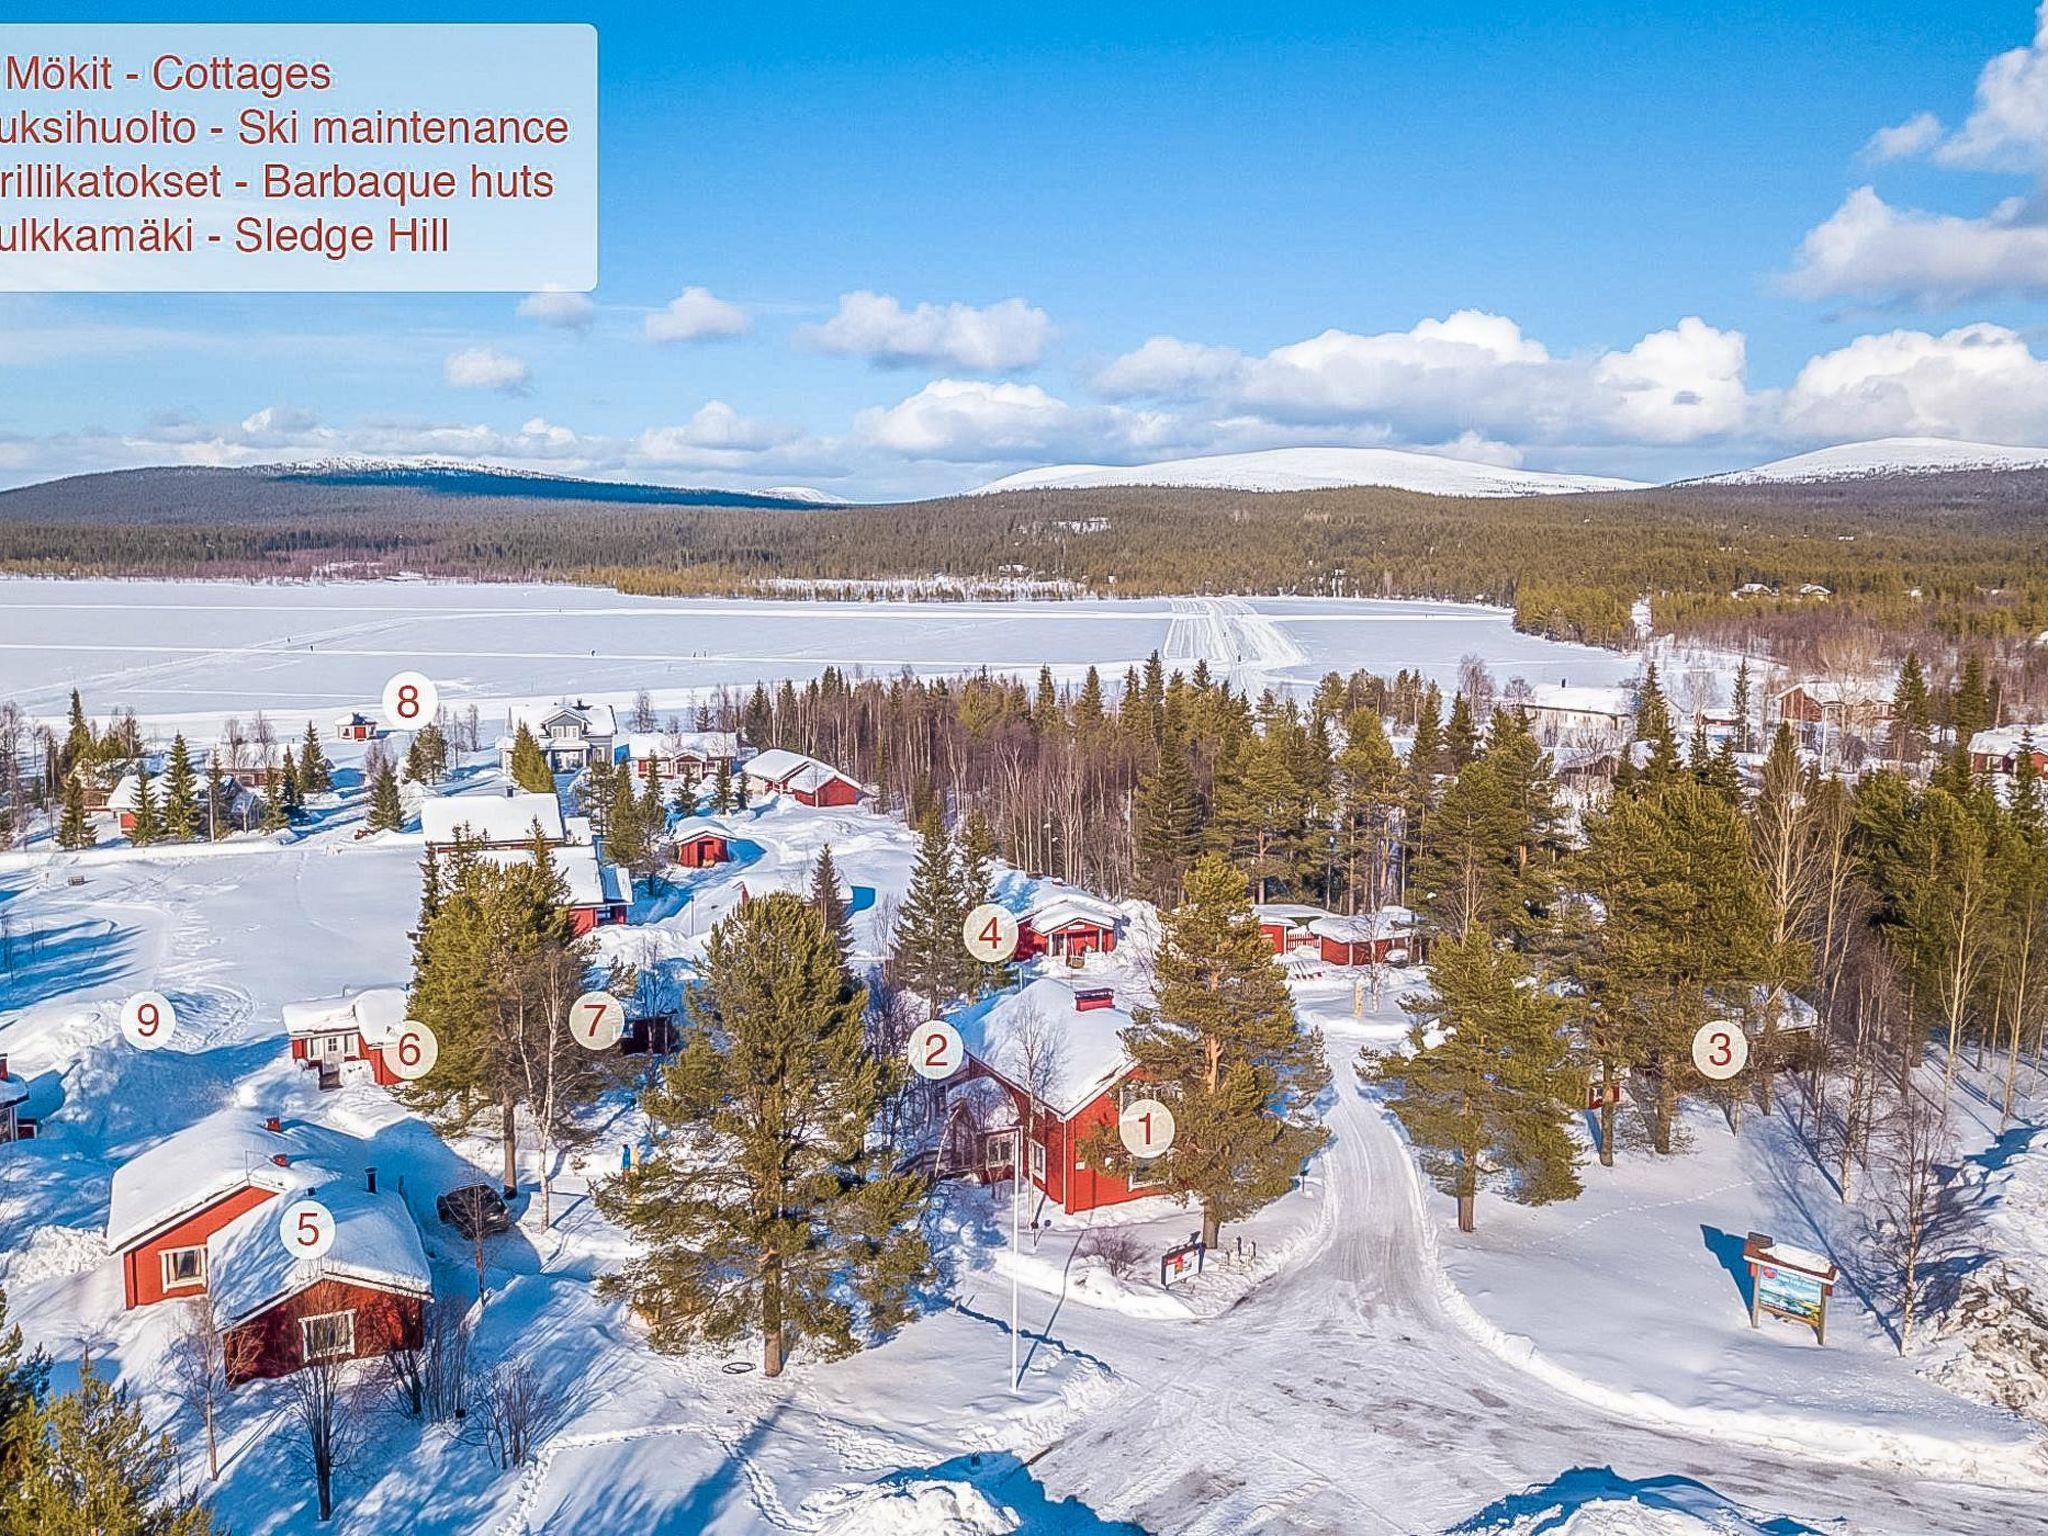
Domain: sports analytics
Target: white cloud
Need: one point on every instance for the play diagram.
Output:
(1869, 247)
(1674, 386)
(2008, 124)
(559, 307)
(716, 435)
(1977, 381)
(975, 421)
(1167, 366)
(696, 314)
(1916, 135)
(999, 338)
(487, 368)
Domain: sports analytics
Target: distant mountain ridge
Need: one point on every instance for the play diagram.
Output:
(1312, 469)
(1884, 456)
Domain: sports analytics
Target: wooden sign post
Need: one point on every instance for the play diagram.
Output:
(1788, 1282)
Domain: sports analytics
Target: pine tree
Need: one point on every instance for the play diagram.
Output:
(930, 956)
(1461, 733)
(313, 776)
(73, 829)
(290, 787)
(768, 1206)
(1223, 1050)
(721, 789)
(1256, 821)
(148, 826)
(530, 769)
(89, 1464)
(1653, 725)
(387, 810)
(1912, 715)
(1466, 875)
(24, 1373)
(1744, 709)
(1368, 796)
(426, 759)
(1485, 1091)
(181, 794)
(1167, 817)
(78, 743)
(831, 905)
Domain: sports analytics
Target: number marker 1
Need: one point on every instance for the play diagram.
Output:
(1145, 1127)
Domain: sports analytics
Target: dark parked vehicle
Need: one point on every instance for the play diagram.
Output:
(475, 1210)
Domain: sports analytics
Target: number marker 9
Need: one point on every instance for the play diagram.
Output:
(147, 1020)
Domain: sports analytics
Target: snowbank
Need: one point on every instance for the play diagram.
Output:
(938, 1508)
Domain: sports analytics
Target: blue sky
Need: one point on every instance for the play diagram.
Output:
(920, 246)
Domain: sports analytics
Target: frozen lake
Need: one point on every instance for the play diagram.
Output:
(198, 650)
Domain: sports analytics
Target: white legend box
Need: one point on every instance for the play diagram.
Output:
(225, 158)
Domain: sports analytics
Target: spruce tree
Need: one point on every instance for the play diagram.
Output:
(1466, 877)
(1744, 708)
(73, 829)
(831, 905)
(220, 795)
(90, 1464)
(1256, 820)
(78, 741)
(148, 826)
(530, 769)
(626, 842)
(1912, 714)
(1461, 733)
(721, 789)
(1368, 798)
(767, 1207)
(1223, 1050)
(313, 776)
(181, 794)
(387, 809)
(290, 786)
(24, 1373)
(1167, 816)
(930, 956)
(1485, 1090)
(1653, 725)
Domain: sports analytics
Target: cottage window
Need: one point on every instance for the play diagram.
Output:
(1145, 1173)
(329, 1335)
(995, 1150)
(184, 1268)
(1038, 1161)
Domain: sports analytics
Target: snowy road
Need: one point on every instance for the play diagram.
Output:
(1342, 1396)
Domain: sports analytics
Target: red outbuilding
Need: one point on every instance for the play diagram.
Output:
(804, 779)
(1389, 936)
(330, 1033)
(1069, 924)
(702, 842)
(1285, 925)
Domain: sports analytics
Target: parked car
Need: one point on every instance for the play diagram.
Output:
(475, 1210)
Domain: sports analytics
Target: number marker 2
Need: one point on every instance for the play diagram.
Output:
(936, 1051)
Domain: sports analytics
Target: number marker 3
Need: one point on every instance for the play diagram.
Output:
(1720, 1050)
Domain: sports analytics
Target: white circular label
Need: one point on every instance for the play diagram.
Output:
(410, 701)
(936, 1051)
(1720, 1050)
(991, 933)
(307, 1229)
(413, 1054)
(597, 1020)
(147, 1020)
(1145, 1127)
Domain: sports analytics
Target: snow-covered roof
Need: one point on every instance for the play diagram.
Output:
(596, 719)
(1576, 699)
(351, 717)
(705, 746)
(814, 776)
(690, 828)
(1387, 923)
(204, 1163)
(1088, 1058)
(1293, 913)
(2005, 740)
(127, 794)
(376, 1014)
(492, 818)
(591, 882)
(1826, 691)
(12, 1091)
(376, 1243)
(1063, 908)
(778, 764)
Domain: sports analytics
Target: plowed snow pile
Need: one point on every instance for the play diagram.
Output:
(917, 1509)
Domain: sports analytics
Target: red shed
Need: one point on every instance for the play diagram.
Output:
(355, 726)
(1386, 937)
(1285, 924)
(804, 779)
(1081, 1089)
(702, 842)
(328, 1034)
(1068, 923)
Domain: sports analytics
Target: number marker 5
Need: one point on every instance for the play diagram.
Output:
(307, 1229)
(936, 1051)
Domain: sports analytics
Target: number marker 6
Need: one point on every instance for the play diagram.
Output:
(307, 1229)
(410, 701)
(413, 1053)
(1720, 1050)
(147, 1020)
(597, 1020)
(990, 933)
(936, 1051)
(1145, 1127)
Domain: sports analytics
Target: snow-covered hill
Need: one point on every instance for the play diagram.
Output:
(1884, 456)
(1309, 469)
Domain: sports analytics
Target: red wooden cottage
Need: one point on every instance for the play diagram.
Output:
(1285, 925)
(1082, 1085)
(355, 726)
(1068, 924)
(702, 842)
(197, 1215)
(686, 757)
(1389, 936)
(804, 779)
(600, 893)
(13, 1094)
(328, 1034)
(1999, 750)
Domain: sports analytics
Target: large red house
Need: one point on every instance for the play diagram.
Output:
(330, 1033)
(1061, 1097)
(599, 891)
(1069, 924)
(196, 1215)
(804, 779)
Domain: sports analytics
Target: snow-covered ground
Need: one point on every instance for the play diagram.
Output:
(202, 650)
(1313, 469)
(1885, 456)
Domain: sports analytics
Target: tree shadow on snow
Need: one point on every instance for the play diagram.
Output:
(38, 964)
(1726, 1247)
(1549, 1507)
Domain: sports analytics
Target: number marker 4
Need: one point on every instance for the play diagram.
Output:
(990, 933)
(410, 701)
(306, 1229)
(1720, 1050)
(597, 1021)
(936, 1051)
(147, 1020)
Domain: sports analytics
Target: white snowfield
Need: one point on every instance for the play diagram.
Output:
(1885, 456)
(1315, 469)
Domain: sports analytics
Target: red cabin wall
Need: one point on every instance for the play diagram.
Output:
(1276, 935)
(269, 1343)
(833, 792)
(702, 852)
(142, 1269)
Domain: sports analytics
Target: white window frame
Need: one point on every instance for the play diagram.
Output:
(995, 1150)
(306, 1324)
(1038, 1162)
(194, 1282)
(1139, 1167)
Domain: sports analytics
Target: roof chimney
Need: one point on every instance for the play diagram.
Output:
(370, 1179)
(274, 1125)
(281, 1159)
